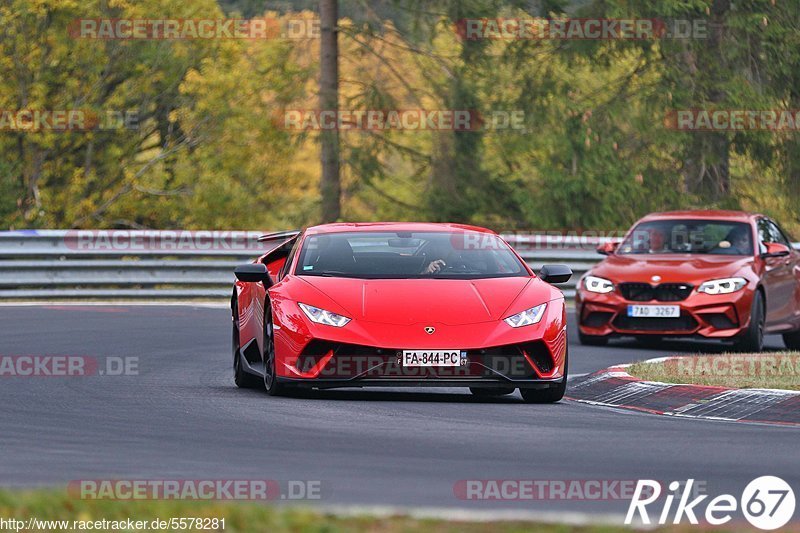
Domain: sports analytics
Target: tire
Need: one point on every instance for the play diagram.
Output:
(271, 383)
(792, 340)
(753, 339)
(592, 340)
(491, 392)
(550, 395)
(243, 379)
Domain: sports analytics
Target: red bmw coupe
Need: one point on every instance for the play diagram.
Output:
(399, 304)
(724, 275)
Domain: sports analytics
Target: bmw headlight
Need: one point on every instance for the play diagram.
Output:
(321, 316)
(527, 317)
(598, 285)
(722, 286)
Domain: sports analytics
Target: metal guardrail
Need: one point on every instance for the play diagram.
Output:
(82, 264)
(57, 264)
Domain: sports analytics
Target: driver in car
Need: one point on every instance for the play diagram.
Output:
(658, 241)
(737, 242)
(434, 267)
(438, 263)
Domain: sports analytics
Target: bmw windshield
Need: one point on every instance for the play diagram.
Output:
(680, 236)
(408, 255)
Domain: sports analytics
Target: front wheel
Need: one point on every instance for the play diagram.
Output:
(242, 378)
(550, 395)
(753, 338)
(271, 383)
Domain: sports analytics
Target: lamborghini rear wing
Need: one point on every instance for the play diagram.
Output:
(279, 236)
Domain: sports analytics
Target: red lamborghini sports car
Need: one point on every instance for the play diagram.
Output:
(723, 275)
(399, 304)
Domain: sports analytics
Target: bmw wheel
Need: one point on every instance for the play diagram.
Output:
(753, 339)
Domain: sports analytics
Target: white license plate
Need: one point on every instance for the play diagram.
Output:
(654, 311)
(431, 357)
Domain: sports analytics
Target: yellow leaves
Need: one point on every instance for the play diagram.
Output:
(121, 4)
(244, 162)
(756, 185)
(192, 77)
(41, 7)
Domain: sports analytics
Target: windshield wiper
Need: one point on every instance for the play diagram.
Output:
(330, 274)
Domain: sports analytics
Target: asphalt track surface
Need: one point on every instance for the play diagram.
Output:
(182, 417)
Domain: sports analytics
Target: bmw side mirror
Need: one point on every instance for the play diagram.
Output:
(607, 248)
(253, 273)
(776, 249)
(555, 273)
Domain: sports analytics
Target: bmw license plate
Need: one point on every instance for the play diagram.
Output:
(654, 311)
(432, 357)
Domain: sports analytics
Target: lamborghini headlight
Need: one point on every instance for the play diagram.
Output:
(526, 318)
(321, 316)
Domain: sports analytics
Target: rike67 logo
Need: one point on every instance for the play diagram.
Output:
(767, 503)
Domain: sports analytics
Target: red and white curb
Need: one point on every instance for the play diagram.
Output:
(614, 387)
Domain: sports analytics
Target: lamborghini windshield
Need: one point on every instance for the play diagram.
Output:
(408, 255)
(716, 237)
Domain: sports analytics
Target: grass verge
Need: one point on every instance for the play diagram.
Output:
(780, 370)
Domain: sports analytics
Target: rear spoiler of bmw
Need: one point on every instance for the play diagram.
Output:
(279, 236)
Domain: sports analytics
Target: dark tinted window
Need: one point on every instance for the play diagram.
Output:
(294, 244)
(777, 234)
(769, 232)
(717, 237)
(786, 237)
(764, 236)
(393, 255)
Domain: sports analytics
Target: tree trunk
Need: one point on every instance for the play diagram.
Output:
(330, 184)
(707, 161)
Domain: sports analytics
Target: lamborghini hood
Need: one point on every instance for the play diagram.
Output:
(411, 301)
